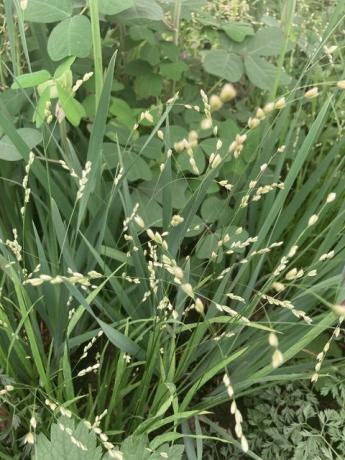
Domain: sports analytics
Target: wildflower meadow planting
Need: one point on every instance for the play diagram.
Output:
(172, 242)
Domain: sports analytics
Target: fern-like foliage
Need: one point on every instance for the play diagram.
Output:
(71, 441)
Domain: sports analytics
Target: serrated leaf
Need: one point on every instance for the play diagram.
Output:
(262, 73)
(9, 152)
(48, 10)
(168, 453)
(224, 65)
(134, 448)
(30, 80)
(61, 447)
(73, 109)
(111, 7)
(238, 31)
(266, 42)
(72, 37)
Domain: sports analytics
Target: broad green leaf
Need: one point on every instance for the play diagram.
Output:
(64, 67)
(114, 6)
(224, 65)
(9, 152)
(183, 163)
(73, 109)
(266, 42)
(238, 31)
(39, 115)
(207, 245)
(123, 112)
(71, 37)
(212, 208)
(134, 448)
(144, 9)
(140, 33)
(168, 452)
(60, 445)
(262, 73)
(173, 71)
(191, 6)
(148, 85)
(135, 166)
(150, 210)
(48, 10)
(30, 80)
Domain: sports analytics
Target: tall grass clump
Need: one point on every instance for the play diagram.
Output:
(156, 271)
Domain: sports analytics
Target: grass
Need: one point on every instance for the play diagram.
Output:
(114, 304)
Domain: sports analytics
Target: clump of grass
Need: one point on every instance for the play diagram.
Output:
(125, 297)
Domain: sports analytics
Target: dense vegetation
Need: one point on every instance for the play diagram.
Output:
(172, 229)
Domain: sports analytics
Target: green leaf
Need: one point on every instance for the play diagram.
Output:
(140, 33)
(61, 447)
(144, 9)
(48, 10)
(39, 115)
(72, 37)
(266, 42)
(213, 208)
(9, 152)
(64, 67)
(169, 453)
(148, 85)
(262, 73)
(224, 65)
(238, 31)
(150, 210)
(123, 112)
(30, 80)
(173, 71)
(73, 109)
(114, 6)
(134, 448)
(134, 165)
(188, 7)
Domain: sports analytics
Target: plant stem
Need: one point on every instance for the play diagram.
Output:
(290, 7)
(97, 48)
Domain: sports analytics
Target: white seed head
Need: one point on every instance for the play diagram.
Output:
(331, 197)
(188, 289)
(311, 93)
(269, 107)
(253, 123)
(277, 359)
(29, 438)
(273, 340)
(215, 102)
(280, 103)
(199, 306)
(206, 123)
(312, 220)
(228, 92)
(244, 444)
